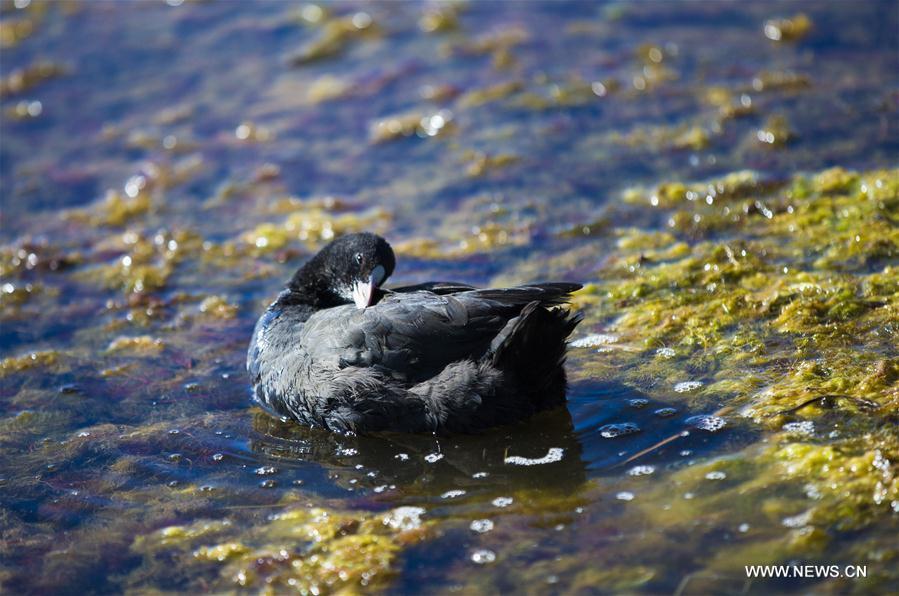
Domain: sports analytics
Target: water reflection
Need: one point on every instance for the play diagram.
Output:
(557, 450)
(431, 466)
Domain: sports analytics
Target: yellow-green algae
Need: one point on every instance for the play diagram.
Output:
(785, 297)
(300, 549)
(799, 272)
(312, 227)
(335, 36)
(140, 345)
(788, 29)
(42, 358)
(24, 79)
(218, 307)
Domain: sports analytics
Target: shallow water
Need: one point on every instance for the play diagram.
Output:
(167, 168)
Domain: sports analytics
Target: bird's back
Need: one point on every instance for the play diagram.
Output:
(304, 362)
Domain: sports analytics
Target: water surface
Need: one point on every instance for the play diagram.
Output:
(164, 167)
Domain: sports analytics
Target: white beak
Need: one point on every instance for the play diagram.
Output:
(364, 291)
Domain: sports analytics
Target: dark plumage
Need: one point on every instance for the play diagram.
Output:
(335, 350)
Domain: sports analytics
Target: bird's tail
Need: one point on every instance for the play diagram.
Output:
(530, 351)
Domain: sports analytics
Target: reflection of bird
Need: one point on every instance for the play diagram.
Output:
(335, 350)
(428, 466)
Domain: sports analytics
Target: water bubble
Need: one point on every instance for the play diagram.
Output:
(743, 528)
(665, 412)
(268, 483)
(687, 386)
(707, 422)
(625, 496)
(452, 494)
(361, 20)
(480, 474)
(502, 501)
(798, 521)
(347, 451)
(481, 525)
(641, 470)
(716, 475)
(134, 185)
(312, 13)
(638, 403)
(553, 455)
(266, 470)
(610, 431)
(806, 427)
(242, 132)
(404, 518)
(594, 340)
(433, 457)
(218, 456)
(401, 456)
(483, 556)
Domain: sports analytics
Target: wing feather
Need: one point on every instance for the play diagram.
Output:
(413, 335)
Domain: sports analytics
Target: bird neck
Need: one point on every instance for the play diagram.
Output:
(312, 288)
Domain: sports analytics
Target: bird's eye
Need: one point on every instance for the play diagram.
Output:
(358, 257)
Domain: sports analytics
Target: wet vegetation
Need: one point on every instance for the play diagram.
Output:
(732, 207)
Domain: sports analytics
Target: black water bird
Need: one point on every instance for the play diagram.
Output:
(335, 350)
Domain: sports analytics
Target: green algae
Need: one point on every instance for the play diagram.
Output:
(41, 359)
(307, 550)
(141, 345)
(218, 307)
(482, 164)
(494, 92)
(440, 18)
(779, 287)
(792, 319)
(775, 132)
(412, 124)
(25, 79)
(788, 29)
(12, 32)
(779, 80)
(335, 37)
(312, 226)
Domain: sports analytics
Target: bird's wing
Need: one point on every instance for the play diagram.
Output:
(437, 287)
(412, 336)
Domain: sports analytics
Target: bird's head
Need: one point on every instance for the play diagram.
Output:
(348, 270)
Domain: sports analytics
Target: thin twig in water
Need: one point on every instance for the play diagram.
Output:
(665, 441)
